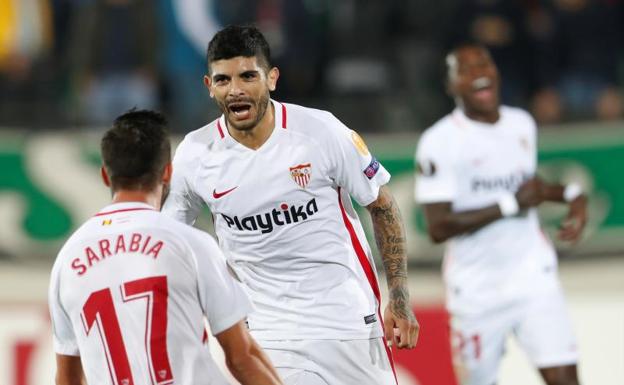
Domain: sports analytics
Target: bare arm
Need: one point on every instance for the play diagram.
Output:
(443, 223)
(245, 359)
(69, 370)
(390, 238)
(573, 224)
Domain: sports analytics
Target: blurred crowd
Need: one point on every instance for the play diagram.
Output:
(378, 65)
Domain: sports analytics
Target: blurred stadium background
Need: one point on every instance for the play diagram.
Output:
(68, 67)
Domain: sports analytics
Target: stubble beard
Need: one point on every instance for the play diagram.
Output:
(261, 107)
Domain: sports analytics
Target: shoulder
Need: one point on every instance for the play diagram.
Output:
(440, 135)
(192, 238)
(518, 116)
(197, 142)
(68, 250)
(194, 145)
(311, 121)
(86, 230)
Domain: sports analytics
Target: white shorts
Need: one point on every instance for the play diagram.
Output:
(331, 362)
(541, 326)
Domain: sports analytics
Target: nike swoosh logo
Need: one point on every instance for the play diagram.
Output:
(217, 195)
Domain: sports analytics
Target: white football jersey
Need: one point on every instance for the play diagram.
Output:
(129, 292)
(472, 164)
(284, 219)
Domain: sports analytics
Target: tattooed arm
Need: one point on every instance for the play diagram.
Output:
(390, 238)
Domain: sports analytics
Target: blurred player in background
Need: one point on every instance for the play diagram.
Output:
(478, 184)
(131, 287)
(278, 179)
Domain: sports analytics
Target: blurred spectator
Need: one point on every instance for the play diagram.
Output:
(114, 57)
(297, 33)
(577, 44)
(500, 25)
(416, 40)
(25, 38)
(358, 69)
(187, 26)
(374, 63)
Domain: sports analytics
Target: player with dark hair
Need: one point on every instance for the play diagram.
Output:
(242, 41)
(136, 151)
(131, 287)
(478, 186)
(278, 179)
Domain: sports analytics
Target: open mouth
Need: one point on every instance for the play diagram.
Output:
(240, 109)
(483, 88)
(481, 83)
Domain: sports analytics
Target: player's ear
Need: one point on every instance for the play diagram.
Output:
(208, 83)
(272, 77)
(105, 177)
(450, 74)
(167, 173)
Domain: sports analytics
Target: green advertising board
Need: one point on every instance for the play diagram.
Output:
(50, 183)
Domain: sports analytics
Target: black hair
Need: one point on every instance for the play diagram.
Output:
(455, 48)
(136, 149)
(239, 40)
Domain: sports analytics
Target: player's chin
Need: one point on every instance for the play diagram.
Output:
(242, 124)
(486, 106)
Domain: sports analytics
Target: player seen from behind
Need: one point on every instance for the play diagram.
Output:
(131, 287)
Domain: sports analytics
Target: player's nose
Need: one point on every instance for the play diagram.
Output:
(236, 87)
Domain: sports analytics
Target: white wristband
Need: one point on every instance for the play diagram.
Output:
(572, 191)
(508, 205)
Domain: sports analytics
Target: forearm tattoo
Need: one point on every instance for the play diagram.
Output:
(390, 238)
(399, 303)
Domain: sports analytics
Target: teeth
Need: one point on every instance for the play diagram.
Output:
(481, 82)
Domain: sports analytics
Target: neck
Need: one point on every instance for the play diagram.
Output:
(490, 117)
(260, 133)
(152, 198)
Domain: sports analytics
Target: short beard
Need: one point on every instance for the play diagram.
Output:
(262, 106)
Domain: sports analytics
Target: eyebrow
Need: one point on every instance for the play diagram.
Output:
(249, 72)
(216, 77)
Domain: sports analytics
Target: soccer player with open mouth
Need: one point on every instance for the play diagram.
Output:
(478, 185)
(278, 179)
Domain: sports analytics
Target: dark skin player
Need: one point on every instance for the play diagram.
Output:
(465, 65)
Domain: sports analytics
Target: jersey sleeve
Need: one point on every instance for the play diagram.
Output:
(435, 173)
(222, 297)
(183, 203)
(352, 166)
(533, 140)
(63, 337)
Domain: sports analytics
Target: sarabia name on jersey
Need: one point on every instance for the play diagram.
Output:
(110, 246)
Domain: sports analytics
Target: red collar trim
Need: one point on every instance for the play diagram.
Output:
(219, 128)
(121, 211)
(283, 116)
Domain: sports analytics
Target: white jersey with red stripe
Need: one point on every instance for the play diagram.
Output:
(284, 218)
(129, 292)
(471, 165)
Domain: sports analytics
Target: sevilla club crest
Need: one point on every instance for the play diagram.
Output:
(301, 174)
